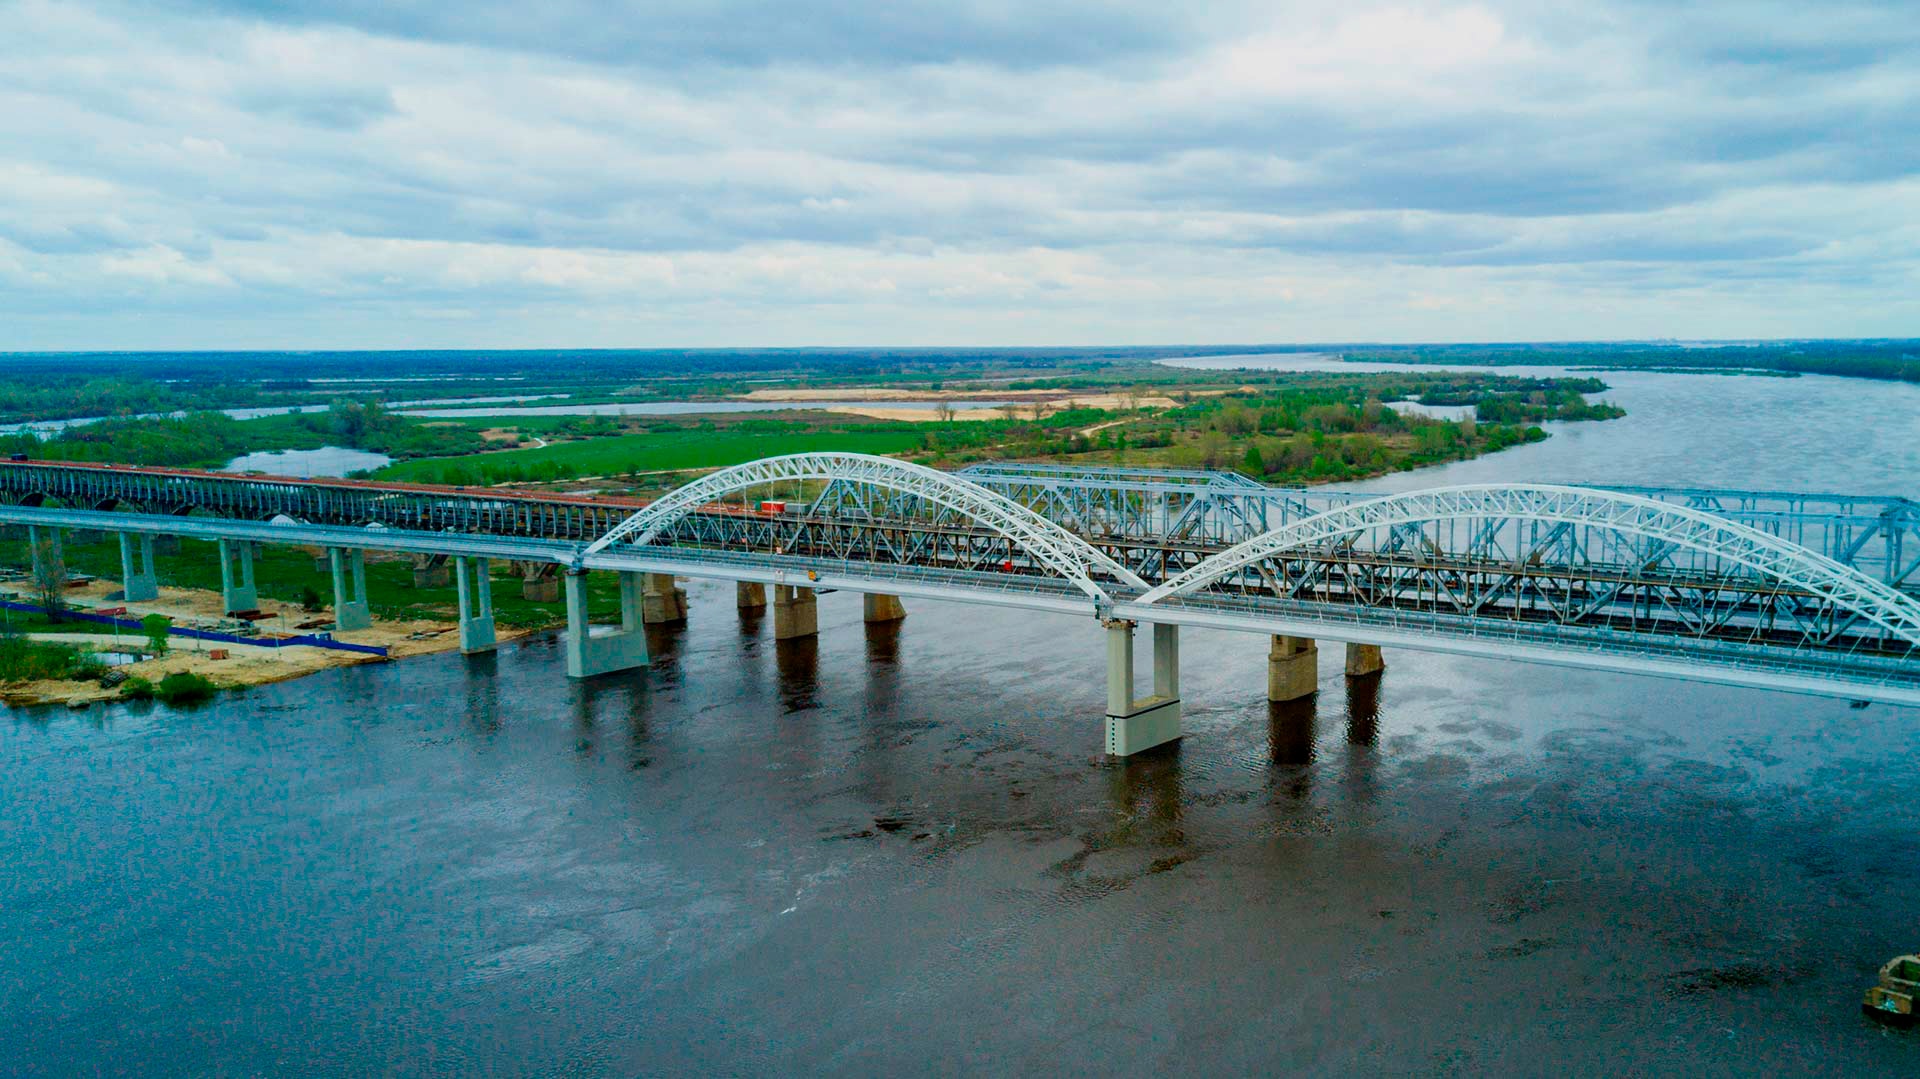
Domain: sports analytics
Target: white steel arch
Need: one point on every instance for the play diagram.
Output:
(1067, 554)
(1842, 585)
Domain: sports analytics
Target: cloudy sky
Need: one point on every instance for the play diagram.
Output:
(366, 173)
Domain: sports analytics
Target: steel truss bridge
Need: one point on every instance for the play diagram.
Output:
(1807, 592)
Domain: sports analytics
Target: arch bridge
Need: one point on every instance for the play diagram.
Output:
(1812, 593)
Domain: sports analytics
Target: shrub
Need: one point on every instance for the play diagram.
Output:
(155, 626)
(137, 689)
(183, 687)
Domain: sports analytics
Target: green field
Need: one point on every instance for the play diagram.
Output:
(657, 451)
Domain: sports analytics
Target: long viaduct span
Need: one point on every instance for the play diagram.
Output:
(1809, 593)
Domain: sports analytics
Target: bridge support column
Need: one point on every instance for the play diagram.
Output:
(750, 595)
(880, 607)
(430, 571)
(1364, 659)
(43, 543)
(473, 578)
(349, 568)
(796, 612)
(610, 650)
(1134, 725)
(539, 581)
(664, 601)
(237, 592)
(1293, 668)
(138, 581)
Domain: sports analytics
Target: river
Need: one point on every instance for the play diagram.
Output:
(896, 850)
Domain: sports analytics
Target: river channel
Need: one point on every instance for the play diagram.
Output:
(897, 849)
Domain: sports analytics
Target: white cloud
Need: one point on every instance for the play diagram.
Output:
(1303, 172)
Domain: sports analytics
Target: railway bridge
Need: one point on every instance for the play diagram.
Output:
(1803, 592)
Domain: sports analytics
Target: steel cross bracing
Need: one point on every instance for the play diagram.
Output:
(1555, 574)
(1879, 535)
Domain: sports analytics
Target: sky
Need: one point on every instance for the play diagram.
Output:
(368, 173)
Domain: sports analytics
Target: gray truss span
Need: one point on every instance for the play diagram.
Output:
(1842, 596)
(1059, 550)
(1183, 511)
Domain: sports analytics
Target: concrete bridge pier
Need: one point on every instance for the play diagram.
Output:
(610, 650)
(1363, 659)
(750, 596)
(663, 601)
(880, 607)
(796, 612)
(136, 568)
(43, 544)
(1293, 668)
(539, 581)
(1134, 725)
(473, 579)
(430, 571)
(237, 592)
(349, 568)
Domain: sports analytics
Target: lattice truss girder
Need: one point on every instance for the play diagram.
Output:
(883, 488)
(1569, 556)
(254, 499)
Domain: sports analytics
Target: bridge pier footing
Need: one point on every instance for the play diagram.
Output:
(431, 571)
(138, 582)
(1138, 724)
(539, 582)
(750, 595)
(881, 607)
(796, 612)
(1364, 659)
(349, 569)
(1293, 668)
(474, 580)
(237, 592)
(610, 650)
(663, 601)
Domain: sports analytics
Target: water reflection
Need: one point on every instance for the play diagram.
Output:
(798, 661)
(883, 669)
(483, 692)
(1148, 791)
(1363, 732)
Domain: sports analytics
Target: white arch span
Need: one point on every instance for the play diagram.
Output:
(1791, 563)
(1060, 550)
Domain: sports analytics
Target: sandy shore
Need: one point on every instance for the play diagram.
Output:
(245, 665)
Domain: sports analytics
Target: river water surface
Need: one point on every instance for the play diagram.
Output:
(897, 850)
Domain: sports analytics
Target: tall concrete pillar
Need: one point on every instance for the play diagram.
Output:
(663, 600)
(237, 592)
(1134, 724)
(796, 612)
(750, 595)
(590, 653)
(431, 571)
(473, 578)
(1364, 659)
(349, 568)
(880, 607)
(1293, 668)
(139, 582)
(43, 543)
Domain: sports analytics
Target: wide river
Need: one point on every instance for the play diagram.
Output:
(897, 850)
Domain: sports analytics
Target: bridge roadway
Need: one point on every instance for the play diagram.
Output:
(1813, 593)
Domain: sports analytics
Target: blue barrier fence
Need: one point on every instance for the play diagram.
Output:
(309, 640)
